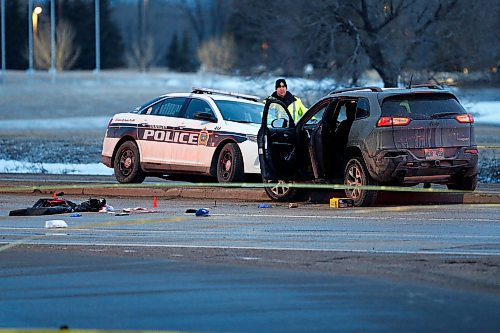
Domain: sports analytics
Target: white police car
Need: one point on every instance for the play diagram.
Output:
(206, 132)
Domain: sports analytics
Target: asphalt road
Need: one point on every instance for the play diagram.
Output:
(250, 269)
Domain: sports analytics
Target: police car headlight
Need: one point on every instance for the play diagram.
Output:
(252, 137)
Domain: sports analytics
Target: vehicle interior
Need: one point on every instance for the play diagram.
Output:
(316, 148)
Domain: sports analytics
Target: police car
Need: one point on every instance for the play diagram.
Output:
(206, 132)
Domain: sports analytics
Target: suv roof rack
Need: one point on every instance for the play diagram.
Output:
(426, 85)
(225, 93)
(372, 88)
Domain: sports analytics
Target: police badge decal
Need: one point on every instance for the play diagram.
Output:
(203, 137)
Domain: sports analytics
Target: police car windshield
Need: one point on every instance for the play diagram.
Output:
(240, 111)
(143, 106)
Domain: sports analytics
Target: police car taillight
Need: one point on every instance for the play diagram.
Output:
(465, 118)
(393, 121)
(110, 121)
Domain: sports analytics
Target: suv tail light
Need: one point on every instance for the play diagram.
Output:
(465, 118)
(393, 121)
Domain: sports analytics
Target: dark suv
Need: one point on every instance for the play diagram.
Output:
(370, 136)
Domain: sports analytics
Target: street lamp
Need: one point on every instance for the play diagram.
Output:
(37, 11)
(34, 17)
(32, 27)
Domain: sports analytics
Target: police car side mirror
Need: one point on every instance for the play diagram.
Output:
(205, 116)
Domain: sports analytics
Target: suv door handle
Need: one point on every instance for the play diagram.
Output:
(182, 125)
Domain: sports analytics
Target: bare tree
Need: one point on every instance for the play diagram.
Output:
(141, 54)
(66, 52)
(217, 54)
(207, 18)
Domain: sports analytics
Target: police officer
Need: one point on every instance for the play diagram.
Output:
(293, 103)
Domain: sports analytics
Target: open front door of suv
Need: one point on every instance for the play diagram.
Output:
(277, 142)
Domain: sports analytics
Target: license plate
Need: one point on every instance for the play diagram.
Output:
(434, 153)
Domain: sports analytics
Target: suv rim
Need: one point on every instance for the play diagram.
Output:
(354, 178)
(280, 189)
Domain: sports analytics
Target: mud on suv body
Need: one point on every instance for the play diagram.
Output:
(370, 136)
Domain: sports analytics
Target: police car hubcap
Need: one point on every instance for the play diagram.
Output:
(227, 166)
(127, 163)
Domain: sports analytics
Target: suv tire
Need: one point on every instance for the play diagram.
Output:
(464, 184)
(230, 164)
(356, 174)
(127, 164)
(281, 192)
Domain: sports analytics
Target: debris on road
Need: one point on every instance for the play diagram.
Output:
(138, 210)
(53, 206)
(341, 202)
(53, 224)
(202, 212)
(265, 205)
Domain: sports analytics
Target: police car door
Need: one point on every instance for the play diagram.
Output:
(276, 141)
(156, 132)
(192, 151)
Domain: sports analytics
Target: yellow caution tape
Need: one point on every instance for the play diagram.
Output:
(34, 189)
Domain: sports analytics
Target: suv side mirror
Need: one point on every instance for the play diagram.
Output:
(279, 123)
(205, 116)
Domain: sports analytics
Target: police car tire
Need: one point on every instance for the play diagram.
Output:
(230, 164)
(128, 154)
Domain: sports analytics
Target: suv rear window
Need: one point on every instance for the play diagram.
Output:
(421, 106)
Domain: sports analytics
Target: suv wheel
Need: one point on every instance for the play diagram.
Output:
(356, 174)
(127, 164)
(230, 164)
(281, 192)
(464, 184)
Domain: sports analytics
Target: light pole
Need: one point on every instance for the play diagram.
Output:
(97, 38)
(52, 69)
(2, 19)
(30, 37)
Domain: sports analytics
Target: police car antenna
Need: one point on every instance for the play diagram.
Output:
(225, 93)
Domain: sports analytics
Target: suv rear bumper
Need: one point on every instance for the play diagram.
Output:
(403, 167)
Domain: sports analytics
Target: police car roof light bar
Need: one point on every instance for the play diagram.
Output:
(374, 89)
(225, 93)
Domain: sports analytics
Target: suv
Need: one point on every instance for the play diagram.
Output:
(370, 136)
(207, 132)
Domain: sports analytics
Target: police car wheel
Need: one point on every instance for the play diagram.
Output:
(230, 164)
(281, 192)
(127, 164)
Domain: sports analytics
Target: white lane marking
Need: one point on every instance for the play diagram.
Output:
(282, 232)
(330, 217)
(269, 248)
